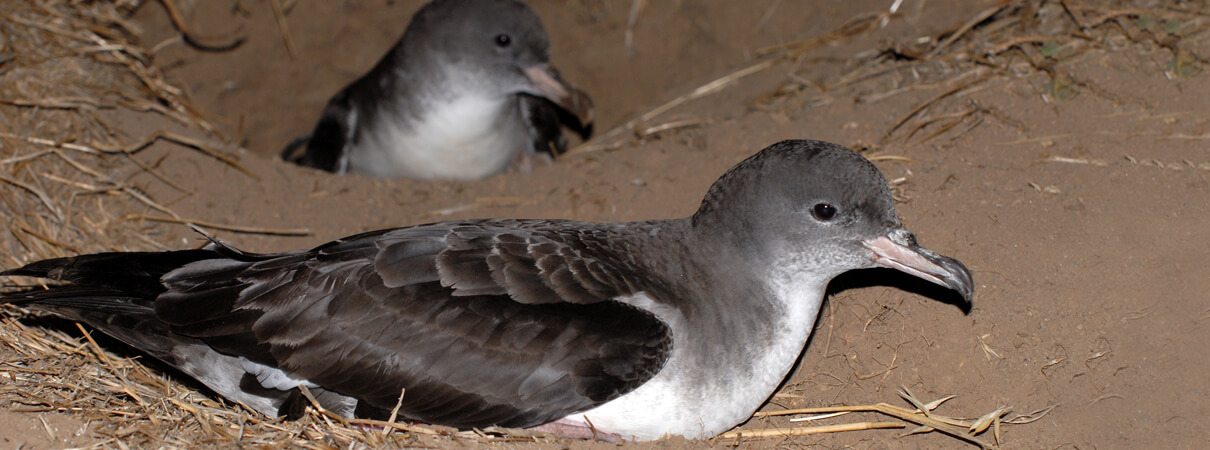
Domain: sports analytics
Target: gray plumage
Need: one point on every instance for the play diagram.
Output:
(467, 92)
(681, 326)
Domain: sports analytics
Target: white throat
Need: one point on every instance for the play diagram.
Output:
(469, 136)
(678, 401)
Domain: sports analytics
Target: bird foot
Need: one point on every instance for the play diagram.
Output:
(570, 429)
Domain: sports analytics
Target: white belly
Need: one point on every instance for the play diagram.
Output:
(468, 138)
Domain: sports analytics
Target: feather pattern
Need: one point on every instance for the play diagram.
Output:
(642, 329)
(482, 323)
(450, 102)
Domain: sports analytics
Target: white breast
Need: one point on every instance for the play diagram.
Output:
(468, 137)
(678, 401)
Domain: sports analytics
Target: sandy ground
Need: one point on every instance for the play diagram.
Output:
(1079, 204)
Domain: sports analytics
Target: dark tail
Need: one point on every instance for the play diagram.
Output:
(115, 293)
(136, 274)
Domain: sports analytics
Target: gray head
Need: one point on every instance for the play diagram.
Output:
(499, 31)
(499, 45)
(821, 207)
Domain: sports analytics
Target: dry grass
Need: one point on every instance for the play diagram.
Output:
(1012, 39)
(64, 191)
(64, 188)
(923, 416)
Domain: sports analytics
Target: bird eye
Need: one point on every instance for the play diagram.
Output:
(503, 40)
(824, 211)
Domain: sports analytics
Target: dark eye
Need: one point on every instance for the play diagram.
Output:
(503, 40)
(824, 211)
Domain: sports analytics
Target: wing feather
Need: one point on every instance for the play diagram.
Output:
(482, 323)
(485, 323)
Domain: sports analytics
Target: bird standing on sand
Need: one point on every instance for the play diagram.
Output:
(465, 93)
(619, 331)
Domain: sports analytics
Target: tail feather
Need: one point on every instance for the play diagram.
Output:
(136, 273)
(127, 318)
(116, 293)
